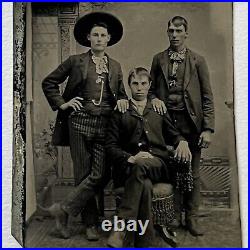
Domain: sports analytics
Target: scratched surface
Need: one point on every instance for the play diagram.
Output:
(18, 172)
(220, 232)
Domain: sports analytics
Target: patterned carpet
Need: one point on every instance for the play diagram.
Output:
(220, 232)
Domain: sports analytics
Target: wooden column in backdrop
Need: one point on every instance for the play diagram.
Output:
(67, 14)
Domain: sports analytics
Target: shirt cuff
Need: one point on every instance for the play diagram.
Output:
(131, 160)
(178, 139)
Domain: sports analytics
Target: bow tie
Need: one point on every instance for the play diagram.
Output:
(101, 64)
(177, 56)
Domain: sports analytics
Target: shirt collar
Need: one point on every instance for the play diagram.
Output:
(139, 103)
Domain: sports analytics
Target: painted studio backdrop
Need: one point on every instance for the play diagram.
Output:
(49, 41)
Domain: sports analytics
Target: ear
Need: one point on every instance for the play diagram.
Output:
(109, 37)
(186, 35)
(150, 84)
(88, 37)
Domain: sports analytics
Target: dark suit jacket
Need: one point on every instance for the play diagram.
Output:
(125, 131)
(75, 68)
(197, 90)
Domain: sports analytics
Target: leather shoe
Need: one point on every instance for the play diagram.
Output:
(92, 233)
(63, 233)
(61, 219)
(116, 239)
(193, 226)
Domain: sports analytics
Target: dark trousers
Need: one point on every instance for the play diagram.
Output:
(87, 135)
(190, 200)
(137, 199)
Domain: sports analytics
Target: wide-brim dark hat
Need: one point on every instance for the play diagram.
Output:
(84, 25)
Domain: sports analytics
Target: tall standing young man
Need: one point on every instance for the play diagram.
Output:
(181, 85)
(94, 87)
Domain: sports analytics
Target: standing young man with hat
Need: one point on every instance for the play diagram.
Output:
(181, 85)
(94, 88)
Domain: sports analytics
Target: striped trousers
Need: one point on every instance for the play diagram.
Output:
(87, 135)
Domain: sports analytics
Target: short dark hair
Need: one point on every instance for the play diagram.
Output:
(138, 71)
(179, 20)
(99, 24)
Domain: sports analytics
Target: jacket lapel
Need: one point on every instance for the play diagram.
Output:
(189, 68)
(164, 60)
(133, 110)
(111, 67)
(84, 63)
(148, 108)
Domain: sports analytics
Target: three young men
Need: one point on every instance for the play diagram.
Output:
(180, 92)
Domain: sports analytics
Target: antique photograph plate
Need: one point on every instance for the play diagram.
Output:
(43, 172)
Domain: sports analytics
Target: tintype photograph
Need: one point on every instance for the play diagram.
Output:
(124, 129)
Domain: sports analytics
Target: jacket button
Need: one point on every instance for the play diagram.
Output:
(114, 94)
(191, 113)
(146, 132)
(186, 96)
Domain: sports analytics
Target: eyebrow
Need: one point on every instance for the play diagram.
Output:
(102, 33)
(175, 29)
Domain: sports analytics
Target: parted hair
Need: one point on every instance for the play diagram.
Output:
(178, 21)
(138, 71)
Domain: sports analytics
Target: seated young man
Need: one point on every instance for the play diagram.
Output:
(136, 143)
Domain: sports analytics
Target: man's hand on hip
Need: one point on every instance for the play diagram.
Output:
(73, 103)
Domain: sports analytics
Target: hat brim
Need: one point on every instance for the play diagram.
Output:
(84, 25)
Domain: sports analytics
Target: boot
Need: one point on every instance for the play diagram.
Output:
(116, 239)
(61, 219)
(92, 233)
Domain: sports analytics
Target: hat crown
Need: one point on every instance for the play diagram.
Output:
(85, 23)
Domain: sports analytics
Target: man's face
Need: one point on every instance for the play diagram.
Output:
(177, 35)
(99, 38)
(139, 87)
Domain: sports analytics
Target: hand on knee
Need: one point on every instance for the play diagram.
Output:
(142, 157)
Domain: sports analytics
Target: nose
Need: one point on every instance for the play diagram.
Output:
(174, 34)
(139, 87)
